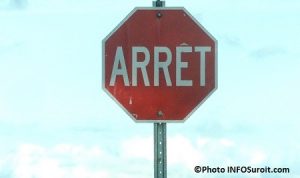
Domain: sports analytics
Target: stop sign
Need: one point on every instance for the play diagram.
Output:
(159, 64)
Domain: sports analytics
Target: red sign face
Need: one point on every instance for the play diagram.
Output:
(159, 64)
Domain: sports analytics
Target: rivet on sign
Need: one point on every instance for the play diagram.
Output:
(160, 113)
(159, 15)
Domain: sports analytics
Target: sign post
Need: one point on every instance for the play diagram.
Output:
(160, 150)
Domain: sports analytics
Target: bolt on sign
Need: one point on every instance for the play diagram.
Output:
(159, 64)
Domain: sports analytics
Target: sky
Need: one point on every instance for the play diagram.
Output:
(56, 121)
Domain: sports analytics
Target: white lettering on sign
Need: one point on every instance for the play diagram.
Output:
(202, 50)
(119, 59)
(142, 65)
(180, 65)
(119, 66)
(163, 65)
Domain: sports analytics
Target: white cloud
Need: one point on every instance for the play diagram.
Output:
(181, 151)
(78, 151)
(81, 171)
(258, 157)
(134, 158)
(43, 162)
(226, 142)
(32, 160)
(138, 147)
(184, 152)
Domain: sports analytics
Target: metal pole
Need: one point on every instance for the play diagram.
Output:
(160, 150)
(158, 3)
(160, 135)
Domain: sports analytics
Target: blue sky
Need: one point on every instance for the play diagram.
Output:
(55, 120)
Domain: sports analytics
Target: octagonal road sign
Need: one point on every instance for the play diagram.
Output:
(159, 64)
